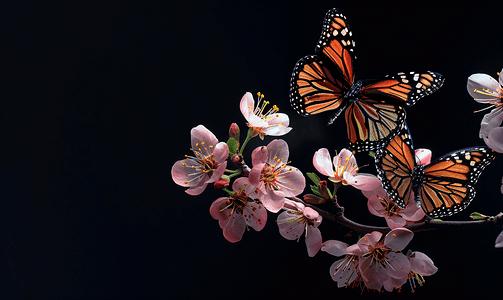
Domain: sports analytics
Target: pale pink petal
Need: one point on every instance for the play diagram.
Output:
(197, 189)
(421, 264)
(292, 181)
(184, 172)
(217, 174)
(499, 239)
(313, 240)
(398, 265)
(259, 155)
(276, 130)
(255, 215)
(398, 238)
(356, 250)
(293, 205)
(480, 82)
(343, 271)
(363, 181)
(221, 152)
(288, 225)
(233, 227)
(335, 248)
(202, 139)
(323, 163)
(278, 152)
(495, 139)
(272, 200)
(217, 210)
(369, 239)
(393, 283)
(412, 212)
(423, 156)
(347, 161)
(277, 125)
(395, 221)
(247, 107)
(375, 207)
(254, 177)
(500, 78)
(491, 121)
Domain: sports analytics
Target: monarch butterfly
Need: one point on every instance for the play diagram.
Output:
(441, 188)
(373, 108)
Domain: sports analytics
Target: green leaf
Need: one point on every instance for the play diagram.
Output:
(372, 154)
(233, 146)
(315, 190)
(478, 216)
(314, 178)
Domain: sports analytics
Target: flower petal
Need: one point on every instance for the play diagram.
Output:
(313, 240)
(292, 181)
(272, 200)
(421, 264)
(254, 177)
(482, 82)
(395, 221)
(495, 139)
(423, 156)
(343, 271)
(259, 155)
(323, 163)
(346, 161)
(234, 227)
(217, 210)
(491, 121)
(335, 248)
(277, 151)
(398, 265)
(202, 140)
(247, 107)
(363, 181)
(398, 238)
(217, 174)
(255, 215)
(221, 152)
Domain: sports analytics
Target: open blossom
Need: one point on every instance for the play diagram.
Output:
(380, 205)
(273, 177)
(238, 211)
(346, 169)
(263, 122)
(206, 166)
(380, 260)
(297, 219)
(485, 89)
(374, 260)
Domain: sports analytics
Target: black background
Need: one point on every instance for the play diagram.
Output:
(98, 100)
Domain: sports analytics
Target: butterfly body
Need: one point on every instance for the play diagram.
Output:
(374, 109)
(442, 188)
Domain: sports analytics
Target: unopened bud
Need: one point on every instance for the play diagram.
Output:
(234, 132)
(222, 182)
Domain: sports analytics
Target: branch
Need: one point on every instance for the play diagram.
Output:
(426, 225)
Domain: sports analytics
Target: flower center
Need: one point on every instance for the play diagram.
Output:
(259, 110)
(390, 207)
(378, 252)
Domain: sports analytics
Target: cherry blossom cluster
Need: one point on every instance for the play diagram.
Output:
(377, 261)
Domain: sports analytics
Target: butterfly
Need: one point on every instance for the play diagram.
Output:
(442, 188)
(374, 109)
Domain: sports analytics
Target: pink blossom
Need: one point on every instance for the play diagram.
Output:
(297, 219)
(273, 177)
(380, 205)
(264, 123)
(239, 211)
(380, 260)
(206, 166)
(346, 169)
(485, 89)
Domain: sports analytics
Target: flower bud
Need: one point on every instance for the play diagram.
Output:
(222, 182)
(234, 132)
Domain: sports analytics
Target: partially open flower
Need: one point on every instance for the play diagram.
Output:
(346, 169)
(264, 122)
(206, 166)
